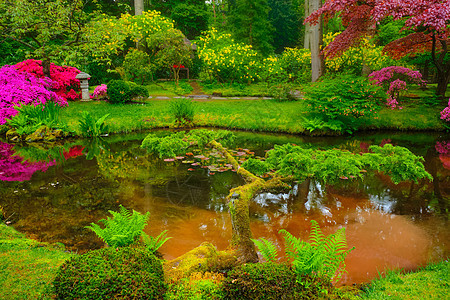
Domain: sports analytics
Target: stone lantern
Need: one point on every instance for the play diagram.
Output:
(84, 84)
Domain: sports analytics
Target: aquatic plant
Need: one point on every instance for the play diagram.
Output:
(123, 229)
(31, 117)
(90, 127)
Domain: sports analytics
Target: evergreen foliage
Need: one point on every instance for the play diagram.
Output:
(123, 229)
(119, 92)
(108, 273)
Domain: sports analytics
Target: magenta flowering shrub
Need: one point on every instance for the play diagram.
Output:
(17, 88)
(15, 168)
(443, 147)
(100, 92)
(445, 114)
(394, 81)
(63, 78)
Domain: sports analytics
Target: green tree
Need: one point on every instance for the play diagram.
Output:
(249, 23)
(48, 28)
(284, 15)
(191, 16)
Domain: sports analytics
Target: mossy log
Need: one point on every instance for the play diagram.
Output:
(239, 199)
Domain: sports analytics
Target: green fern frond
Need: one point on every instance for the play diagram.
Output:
(316, 237)
(152, 243)
(122, 229)
(268, 249)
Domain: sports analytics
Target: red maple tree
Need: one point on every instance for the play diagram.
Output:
(429, 19)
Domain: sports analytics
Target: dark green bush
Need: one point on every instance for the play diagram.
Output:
(266, 281)
(119, 92)
(109, 273)
(137, 90)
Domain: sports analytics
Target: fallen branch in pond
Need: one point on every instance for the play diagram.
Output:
(288, 162)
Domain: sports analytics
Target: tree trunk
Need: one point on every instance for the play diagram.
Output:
(138, 7)
(443, 80)
(46, 67)
(306, 40)
(316, 41)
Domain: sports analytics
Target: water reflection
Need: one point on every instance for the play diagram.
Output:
(403, 225)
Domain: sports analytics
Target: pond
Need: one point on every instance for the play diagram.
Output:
(51, 194)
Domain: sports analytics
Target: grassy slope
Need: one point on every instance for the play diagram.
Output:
(431, 282)
(257, 115)
(26, 266)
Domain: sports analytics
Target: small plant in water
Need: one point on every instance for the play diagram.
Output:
(90, 127)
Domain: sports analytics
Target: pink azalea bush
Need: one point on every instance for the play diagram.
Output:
(445, 114)
(63, 78)
(15, 168)
(443, 147)
(394, 81)
(100, 92)
(21, 88)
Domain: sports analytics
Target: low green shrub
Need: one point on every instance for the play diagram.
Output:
(343, 101)
(271, 281)
(137, 90)
(119, 92)
(182, 110)
(109, 273)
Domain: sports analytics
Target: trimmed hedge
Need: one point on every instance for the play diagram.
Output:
(119, 92)
(109, 273)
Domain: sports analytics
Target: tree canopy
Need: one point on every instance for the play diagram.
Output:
(428, 19)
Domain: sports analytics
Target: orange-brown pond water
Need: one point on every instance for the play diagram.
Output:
(390, 226)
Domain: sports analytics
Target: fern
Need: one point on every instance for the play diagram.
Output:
(323, 256)
(123, 229)
(152, 243)
(267, 249)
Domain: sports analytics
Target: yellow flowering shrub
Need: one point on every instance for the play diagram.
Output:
(226, 60)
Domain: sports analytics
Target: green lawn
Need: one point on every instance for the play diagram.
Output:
(26, 266)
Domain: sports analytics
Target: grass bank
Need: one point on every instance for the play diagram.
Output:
(27, 267)
(263, 115)
(431, 282)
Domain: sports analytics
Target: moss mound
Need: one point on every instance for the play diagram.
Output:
(123, 273)
(270, 281)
